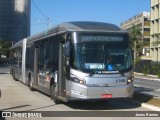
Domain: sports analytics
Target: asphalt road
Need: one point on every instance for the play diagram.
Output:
(149, 87)
(18, 97)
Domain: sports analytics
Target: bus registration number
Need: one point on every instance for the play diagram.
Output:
(106, 95)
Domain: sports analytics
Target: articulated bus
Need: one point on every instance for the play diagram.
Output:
(76, 61)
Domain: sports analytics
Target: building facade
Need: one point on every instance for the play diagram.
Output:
(14, 19)
(142, 21)
(155, 30)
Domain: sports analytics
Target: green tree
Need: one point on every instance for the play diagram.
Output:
(136, 42)
(4, 47)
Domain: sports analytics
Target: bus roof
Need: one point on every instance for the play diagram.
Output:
(75, 26)
(85, 26)
(90, 26)
(78, 26)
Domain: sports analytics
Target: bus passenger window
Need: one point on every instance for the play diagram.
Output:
(47, 63)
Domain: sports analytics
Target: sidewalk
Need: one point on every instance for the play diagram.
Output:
(144, 100)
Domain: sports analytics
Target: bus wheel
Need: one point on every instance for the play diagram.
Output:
(54, 94)
(30, 84)
(14, 76)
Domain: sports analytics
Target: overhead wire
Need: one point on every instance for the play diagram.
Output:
(45, 16)
(39, 10)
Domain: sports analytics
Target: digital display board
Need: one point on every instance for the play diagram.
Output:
(89, 38)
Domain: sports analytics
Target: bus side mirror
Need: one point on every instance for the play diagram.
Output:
(67, 49)
(67, 56)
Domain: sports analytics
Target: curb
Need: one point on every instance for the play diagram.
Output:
(145, 105)
(148, 77)
(151, 107)
(154, 79)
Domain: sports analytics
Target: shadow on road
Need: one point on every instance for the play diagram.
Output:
(15, 107)
(37, 109)
(142, 98)
(33, 109)
(4, 73)
(143, 89)
(112, 104)
(140, 95)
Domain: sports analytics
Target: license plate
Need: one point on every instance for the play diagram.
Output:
(106, 95)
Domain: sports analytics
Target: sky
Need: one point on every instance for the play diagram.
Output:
(59, 11)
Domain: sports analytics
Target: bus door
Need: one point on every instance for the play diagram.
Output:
(36, 49)
(45, 65)
(64, 66)
(61, 71)
(19, 71)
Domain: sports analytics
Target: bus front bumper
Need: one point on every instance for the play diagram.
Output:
(77, 92)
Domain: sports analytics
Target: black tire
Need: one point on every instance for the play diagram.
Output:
(54, 94)
(13, 74)
(30, 84)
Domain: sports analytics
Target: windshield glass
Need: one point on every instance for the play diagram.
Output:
(101, 57)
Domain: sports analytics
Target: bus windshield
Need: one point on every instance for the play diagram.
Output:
(101, 57)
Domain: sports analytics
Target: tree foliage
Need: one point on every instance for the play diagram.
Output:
(135, 37)
(4, 47)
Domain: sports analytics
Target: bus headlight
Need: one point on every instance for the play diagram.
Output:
(130, 79)
(77, 80)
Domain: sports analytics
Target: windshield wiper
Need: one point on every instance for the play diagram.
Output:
(118, 69)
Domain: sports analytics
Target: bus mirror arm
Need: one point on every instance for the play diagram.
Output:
(68, 68)
(67, 49)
